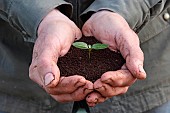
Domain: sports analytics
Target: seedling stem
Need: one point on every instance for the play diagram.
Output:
(83, 45)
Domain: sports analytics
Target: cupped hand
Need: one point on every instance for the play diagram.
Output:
(112, 29)
(56, 33)
(110, 84)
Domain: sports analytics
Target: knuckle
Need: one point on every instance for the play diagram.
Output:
(118, 78)
(42, 60)
(119, 75)
(120, 83)
(43, 63)
(110, 93)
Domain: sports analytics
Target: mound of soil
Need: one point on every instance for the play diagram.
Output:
(77, 62)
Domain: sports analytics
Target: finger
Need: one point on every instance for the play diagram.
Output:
(82, 92)
(77, 95)
(68, 85)
(118, 78)
(95, 97)
(44, 59)
(134, 62)
(49, 71)
(107, 90)
(92, 97)
(66, 39)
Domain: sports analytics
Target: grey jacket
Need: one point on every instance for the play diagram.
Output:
(19, 20)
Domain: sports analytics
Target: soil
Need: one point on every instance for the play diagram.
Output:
(77, 62)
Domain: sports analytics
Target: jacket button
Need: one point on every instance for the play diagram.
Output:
(166, 16)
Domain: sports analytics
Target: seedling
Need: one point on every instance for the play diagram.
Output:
(83, 45)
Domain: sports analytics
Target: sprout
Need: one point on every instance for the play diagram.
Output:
(83, 45)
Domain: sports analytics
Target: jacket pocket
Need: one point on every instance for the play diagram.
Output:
(155, 26)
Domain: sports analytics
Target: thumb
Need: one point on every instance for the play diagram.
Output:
(134, 62)
(48, 70)
(129, 47)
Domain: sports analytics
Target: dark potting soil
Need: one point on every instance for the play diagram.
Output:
(77, 62)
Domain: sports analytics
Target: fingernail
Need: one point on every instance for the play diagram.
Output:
(81, 82)
(87, 91)
(49, 77)
(141, 69)
(95, 100)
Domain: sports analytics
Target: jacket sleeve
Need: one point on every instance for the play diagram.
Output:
(135, 12)
(26, 15)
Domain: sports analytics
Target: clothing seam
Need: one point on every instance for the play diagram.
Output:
(10, 5)
(156, 33)
(146, 4)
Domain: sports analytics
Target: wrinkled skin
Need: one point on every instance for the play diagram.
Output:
(56, 33)
(115, 32)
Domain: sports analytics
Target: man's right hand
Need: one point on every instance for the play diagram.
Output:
(56, 33)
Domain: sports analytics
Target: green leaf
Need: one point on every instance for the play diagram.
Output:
(80, 45)
(98, 46)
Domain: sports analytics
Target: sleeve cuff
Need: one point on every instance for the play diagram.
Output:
(134, 11)
(25, 16)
